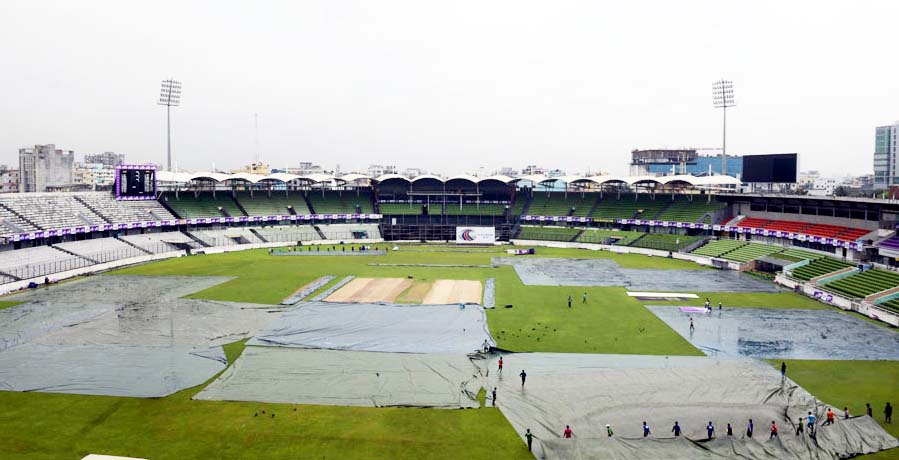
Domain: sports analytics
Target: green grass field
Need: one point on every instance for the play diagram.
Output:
(7, 304)
(56, 426)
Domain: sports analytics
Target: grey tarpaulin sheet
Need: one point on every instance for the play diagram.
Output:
(380, 327)
(307, 290)
(490, 293)
(589, 391)
(604, 272)
(783, 333)
(327, 292)
(120, 336)
(348, 378)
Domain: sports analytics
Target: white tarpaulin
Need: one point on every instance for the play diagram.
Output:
(380, 327)
(589, 391)
(348, 378)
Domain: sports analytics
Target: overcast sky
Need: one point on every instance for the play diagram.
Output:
(449, 86)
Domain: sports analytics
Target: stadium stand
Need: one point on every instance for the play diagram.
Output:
(892, 305)
(350, 231)
(617, 237)
(38, 261)
(751, 251)
(286, 233)
(279, 203)
(548, 233)
(101, 250)
(683, 209)
(407, 209)
(718, 248)
(822, 230)
(474, 209)
(801, 255)
(665, 242)
(643, 207)
(51, 210)
(818, 267)
(340, 202)
(890, 243)
(558, 204)
(111, 210)
(865, 283)
(203, 204)
(13, 223)
(518, 205)
(226, 237)
(156, 243)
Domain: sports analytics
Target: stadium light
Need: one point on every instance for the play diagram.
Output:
(169, 96)
(722, 98)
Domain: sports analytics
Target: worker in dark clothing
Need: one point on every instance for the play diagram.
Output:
(799, 427)
(888, 413)
(494, 396)
(569, 301)
(710, 429)
(749, 429)
(692, 328)
(530, 437)
(730, 430)
(523, 376)
(676, 429)
(646, 431)
(868, 410)
(783, 371)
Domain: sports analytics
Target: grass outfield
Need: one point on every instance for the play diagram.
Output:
(55, 426)
(7, 304)
(851, 384)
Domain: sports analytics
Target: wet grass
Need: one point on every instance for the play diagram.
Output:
(7, 304)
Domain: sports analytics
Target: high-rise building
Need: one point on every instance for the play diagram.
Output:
(45, 166)
(108, 159)
(885, 173)
(9, 179)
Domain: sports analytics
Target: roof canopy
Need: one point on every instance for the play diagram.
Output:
(704, 181)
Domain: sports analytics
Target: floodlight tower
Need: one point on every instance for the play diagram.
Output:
(169, 96)
(723, 97)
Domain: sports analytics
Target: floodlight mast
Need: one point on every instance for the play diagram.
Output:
(723, 97)
(169, 96)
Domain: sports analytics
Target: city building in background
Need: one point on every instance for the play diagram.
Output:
(816, 185)
(682, 161)
(93, 176)
(253, 168)
(108, 159)
(380, 170)
(885, 173)
(9, 179)
(45, 168)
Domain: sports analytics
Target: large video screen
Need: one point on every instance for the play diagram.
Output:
(779, 168)
(135, 182)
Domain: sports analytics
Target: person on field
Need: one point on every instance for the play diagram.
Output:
(845, 413)
(830, 417)
(585, 297)
(710, 430)
(676, 429)
(530, 437)
(719, 306)
(888, 413)
(609, 432)
(500, 364)
(730, 430)
(868, 410)
(773, 430)
(486, 346)
(692, 328)
(494, 396)
(567, 433)
(799, 427)
(783, 371)
(811, 423)
(523, 376)
(646, 431)
(569, 301)
(749, 429)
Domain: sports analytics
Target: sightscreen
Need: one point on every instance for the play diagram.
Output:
(135, 182)
(777, 168)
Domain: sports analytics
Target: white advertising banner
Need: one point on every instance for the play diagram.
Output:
(475, 235)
